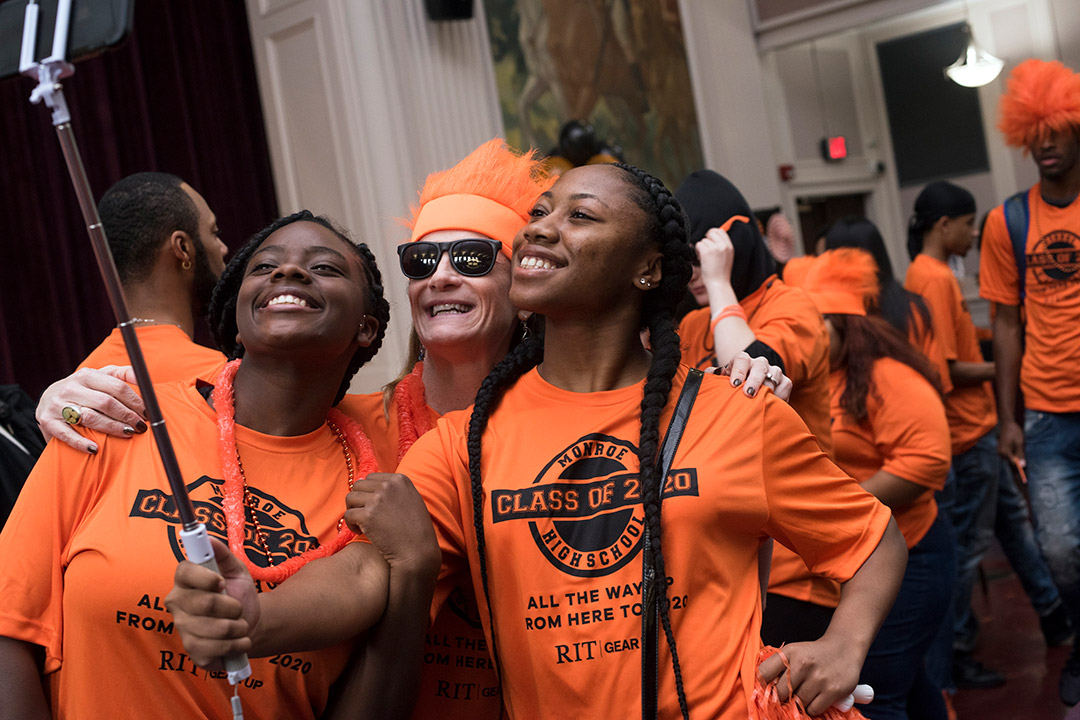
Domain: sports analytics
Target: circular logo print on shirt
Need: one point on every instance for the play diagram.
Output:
(584, 508)
(276, 520)
(1054, 259)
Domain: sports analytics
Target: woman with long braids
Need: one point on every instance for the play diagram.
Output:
(890, 434)
(538, 492)
(92, 545)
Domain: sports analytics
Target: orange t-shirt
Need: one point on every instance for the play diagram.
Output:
(1052, 298)
(905, 434)
(171, 356)
(370, 412)
(785, 319)
(92, 544)
(563, 526)
(458, 681)
(924, 339)
(970, 409)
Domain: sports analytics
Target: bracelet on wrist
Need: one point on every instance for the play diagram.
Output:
(729, 311)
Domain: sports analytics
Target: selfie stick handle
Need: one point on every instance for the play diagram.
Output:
(48, 72)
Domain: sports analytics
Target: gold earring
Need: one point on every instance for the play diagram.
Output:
(186, 265)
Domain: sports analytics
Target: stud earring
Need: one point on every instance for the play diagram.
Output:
(643, 281)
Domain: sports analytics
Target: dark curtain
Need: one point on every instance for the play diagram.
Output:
(180, 96)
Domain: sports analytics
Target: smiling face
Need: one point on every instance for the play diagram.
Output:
(303, 290)
(452, 312)
(585, 248)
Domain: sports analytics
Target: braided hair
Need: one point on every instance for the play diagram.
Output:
(222, 309)
(667, 228)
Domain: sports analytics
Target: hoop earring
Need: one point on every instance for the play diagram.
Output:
(186, 265)
(525, 332)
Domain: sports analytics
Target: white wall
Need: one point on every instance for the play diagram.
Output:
(729, 95)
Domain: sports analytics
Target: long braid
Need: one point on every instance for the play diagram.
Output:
(520, 360)
(670, 230)
(221, 311)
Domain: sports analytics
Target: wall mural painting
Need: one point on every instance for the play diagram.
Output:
(596, 79)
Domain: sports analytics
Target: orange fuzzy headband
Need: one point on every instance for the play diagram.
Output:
(840, 282)
(1041, 97)
(490, 192)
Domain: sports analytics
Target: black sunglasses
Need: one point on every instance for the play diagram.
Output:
(472, 257)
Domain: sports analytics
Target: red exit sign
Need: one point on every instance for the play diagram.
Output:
(834, 148)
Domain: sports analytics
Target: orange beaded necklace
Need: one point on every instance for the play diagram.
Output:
(239, 502)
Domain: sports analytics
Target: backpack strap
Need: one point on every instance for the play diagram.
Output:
(650, 584)
(1017, 218)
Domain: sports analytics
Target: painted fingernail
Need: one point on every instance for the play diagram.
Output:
(736, 382)
(140, 426)
(128, 430)
(92, 449)
(750, 391)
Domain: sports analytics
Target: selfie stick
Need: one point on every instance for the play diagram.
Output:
(48, 72)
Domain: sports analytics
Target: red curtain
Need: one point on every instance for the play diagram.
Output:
(180, 96)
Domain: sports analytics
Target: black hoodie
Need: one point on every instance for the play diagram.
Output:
(709, 200)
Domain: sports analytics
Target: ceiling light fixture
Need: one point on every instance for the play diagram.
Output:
(975, 67)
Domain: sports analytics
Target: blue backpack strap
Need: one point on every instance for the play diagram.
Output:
(1016, 221)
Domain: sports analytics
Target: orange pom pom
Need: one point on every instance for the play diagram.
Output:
(765, 701)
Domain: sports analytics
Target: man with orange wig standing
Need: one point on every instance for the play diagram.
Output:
(1030, 270)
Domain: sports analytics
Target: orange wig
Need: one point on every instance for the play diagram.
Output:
(490, 192)
(841, 281)
(1042, 97)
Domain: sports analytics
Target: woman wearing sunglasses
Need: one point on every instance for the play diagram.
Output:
(458, 264)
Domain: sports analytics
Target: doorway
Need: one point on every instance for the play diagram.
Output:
(817, 214)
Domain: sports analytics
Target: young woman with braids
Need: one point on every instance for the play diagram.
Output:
(92, 545)
(890, 433)
(537, 493)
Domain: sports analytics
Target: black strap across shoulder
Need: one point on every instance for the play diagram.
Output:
(650, 644)
(1016, 222)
